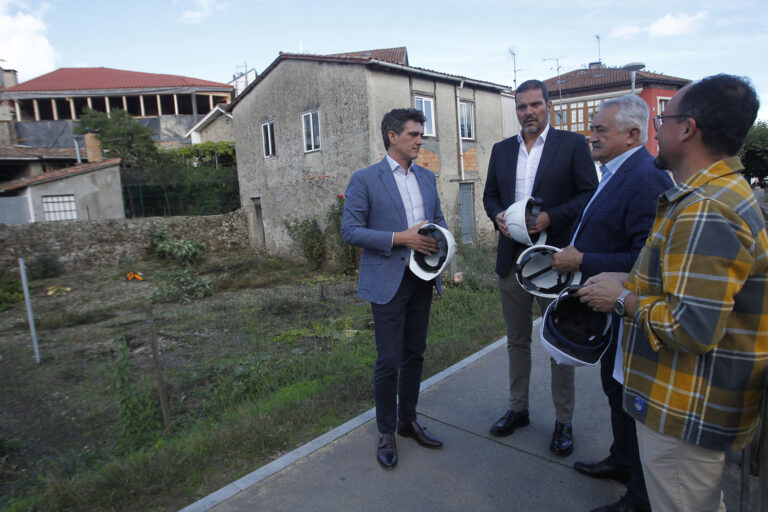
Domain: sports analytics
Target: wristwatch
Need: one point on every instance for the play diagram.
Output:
(618, 306)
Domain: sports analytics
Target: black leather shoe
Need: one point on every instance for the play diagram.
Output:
(386, 453)
(621, 506)
(509, 422)
(415, 430)
(602, 469)
(562, 439)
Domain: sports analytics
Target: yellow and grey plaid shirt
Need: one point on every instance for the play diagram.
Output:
(697, 348)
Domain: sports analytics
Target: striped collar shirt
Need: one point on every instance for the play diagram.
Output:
(696, 350)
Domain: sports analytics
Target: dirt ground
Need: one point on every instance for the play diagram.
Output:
(63, 411)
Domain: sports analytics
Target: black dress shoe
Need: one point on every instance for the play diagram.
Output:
(386, 453)
(562, 439)
(415, 430)
(602, 469)
(621, 506)
(509, 422)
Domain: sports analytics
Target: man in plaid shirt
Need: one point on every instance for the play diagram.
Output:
(696, 301)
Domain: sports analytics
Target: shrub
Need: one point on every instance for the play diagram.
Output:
(347, 256)
(183, 252)
(45, 264)
(10, 292)
(310, 237)
(181, 286)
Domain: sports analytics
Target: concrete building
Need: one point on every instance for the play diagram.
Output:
(216, 126)
(577, 94)
(83, 192)
(45, 107)
(308, 122)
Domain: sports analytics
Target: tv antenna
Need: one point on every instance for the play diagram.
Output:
(513, 53)
(599, 59)
(557, 65)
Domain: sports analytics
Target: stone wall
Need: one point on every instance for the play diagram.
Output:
(86, 243)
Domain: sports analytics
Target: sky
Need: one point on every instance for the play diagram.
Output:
(214, 39)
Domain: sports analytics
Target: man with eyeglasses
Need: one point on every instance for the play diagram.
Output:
(696, 301)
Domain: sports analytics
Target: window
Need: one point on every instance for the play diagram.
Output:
(467, 120)
(311, 122)
(268, 139)
(662, 104)
(427, 107)
(59, 207)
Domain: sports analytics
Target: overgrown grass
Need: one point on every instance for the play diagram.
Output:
(244, 373)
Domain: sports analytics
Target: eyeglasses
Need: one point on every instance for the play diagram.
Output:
(659, 119)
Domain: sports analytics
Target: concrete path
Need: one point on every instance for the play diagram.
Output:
(473, 471)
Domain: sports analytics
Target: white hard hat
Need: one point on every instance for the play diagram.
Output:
(573, 333)
(429, 266)
(517, 224)
(535, 274)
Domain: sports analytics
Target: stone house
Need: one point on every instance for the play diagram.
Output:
(88, 191)
(308, 122)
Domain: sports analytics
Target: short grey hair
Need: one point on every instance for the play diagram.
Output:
(633, 113)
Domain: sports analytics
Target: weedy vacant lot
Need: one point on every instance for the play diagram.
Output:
(275, 356)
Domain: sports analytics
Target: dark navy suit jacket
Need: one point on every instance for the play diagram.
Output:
(615, 226)
(372, 212)
(565, 180)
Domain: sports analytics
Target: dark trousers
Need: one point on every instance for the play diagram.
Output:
(401, 340)
(624, 450)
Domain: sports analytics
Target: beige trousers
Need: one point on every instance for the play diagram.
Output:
(517, 307)
(680, 476)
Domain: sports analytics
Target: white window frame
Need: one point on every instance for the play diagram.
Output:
(268, 139)
(59, 207)
(464, 108)
(661, 103)
(420, 102)
(314, 131)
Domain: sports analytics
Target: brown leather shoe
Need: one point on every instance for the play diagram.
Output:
(386, 453)
(415, 430)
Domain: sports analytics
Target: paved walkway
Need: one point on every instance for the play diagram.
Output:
(473, 471)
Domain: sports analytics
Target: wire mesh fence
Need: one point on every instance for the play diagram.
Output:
(474, 266)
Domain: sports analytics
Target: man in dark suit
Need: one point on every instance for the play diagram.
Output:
(386, 204)
(555, 166)
(608, 237)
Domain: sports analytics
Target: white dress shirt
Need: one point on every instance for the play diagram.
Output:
(527, 164)
(410, 193)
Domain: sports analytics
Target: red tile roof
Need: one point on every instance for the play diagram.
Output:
(397, 55)
(75, 79)
(605, 79)
(57, 174)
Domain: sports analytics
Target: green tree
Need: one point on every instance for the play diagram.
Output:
(754, 154)
(120, 136)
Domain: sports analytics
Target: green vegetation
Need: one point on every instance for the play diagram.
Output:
(10, 292)
(183, 252)
(45, 264)
(284, 343)
(754, 154)
(181, 286)
(311, 239)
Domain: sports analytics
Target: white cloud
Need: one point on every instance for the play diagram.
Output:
(667, 26)
(671, 25)
(205, 8)
(24, 45)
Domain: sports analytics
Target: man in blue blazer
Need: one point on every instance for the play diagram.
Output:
(608, 237)
(386, 204)
(555, 166)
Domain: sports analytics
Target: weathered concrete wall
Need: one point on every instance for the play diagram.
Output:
(107, 242)
(221, 129)
(97, 194)
(294, 183)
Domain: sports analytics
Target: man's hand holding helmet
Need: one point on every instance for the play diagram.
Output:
(419, 243)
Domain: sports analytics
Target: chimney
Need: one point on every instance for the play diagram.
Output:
(596, 65)
(93, 148)
(8, 78)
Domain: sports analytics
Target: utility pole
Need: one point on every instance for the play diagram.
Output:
(514, 65)
(557, 65)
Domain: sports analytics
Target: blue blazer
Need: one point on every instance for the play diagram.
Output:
(565, 180)
(373, 211)
(616, 224)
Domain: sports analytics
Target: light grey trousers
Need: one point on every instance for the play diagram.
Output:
(517, 307)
